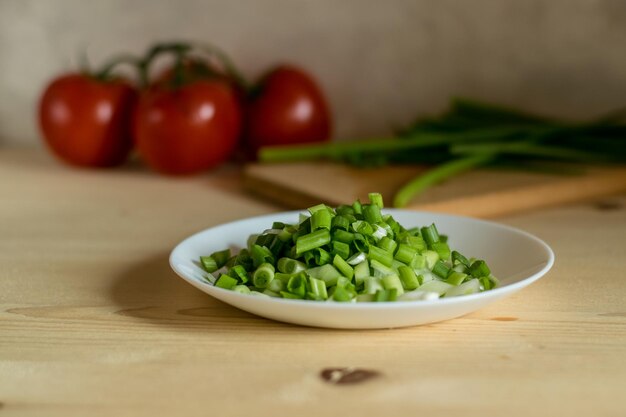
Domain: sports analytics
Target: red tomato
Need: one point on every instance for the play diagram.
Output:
(85, 121)
(288, 108)
(189, 129)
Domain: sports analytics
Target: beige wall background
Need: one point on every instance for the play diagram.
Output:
(381, 63)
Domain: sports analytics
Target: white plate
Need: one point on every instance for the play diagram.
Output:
(517, 258)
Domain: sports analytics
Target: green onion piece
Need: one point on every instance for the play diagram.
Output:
(456, 278)
(386, 295)
(430, 235)
(289, 295)
(380, 269)
(393, 224)
(431, 258)
(209, 264)
(296, 284)
(321, 219)
(278, 225)
(343, 236)
(215, 261)
(479, 269)
(326, 273)
(418, 262)
(265, 239)
(376, 199)
(387, 244)
(371, 213)
(341, 249)
(282, 277)
(363, 227)
(405, 253)
(457, 259)
(393, 282)
(442, 249)
(276, 285)
(276, 246)
(242, 289)
(486, 283)
(312, 240)
(360, 243)
(441, 269)
(435, 285)
(245, 260)
(261, 255)
(344, 209)
(372, 285)
(380, 255)
(340, 222)
(263, 275)
(319, 207)
(285, 234)
(343, 267)
(290, 266)
(357, 207)
(357, 258)
(239, 273)
(470, 287)
(342, 294)
(227, 282)
(361, 271)
(321, 256)
(365, 298)
(416, 242)
(438, 174)
(318, 288)
(408, 278)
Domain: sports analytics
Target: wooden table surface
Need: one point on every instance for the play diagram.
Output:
(93, 321)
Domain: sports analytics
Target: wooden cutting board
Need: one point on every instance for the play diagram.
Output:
(484, 193)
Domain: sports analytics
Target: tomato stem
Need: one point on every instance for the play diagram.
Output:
(105, 73)
(181, 50)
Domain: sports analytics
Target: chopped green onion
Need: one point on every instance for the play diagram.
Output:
(387, 244)
(343, 236)
(318, 288)
(290, 266)
(239, 273)
(380, 255)
(441, 269)
(442, 249)
(393, 282)
(456, 278)
(340, 222)
(376, 199)
(296, 285)
(321, 219)
(312, 240)
(408, 278)
(343, 267)
(326, 273)
(341, 249)
(242, 289)
(479, 269)
(371, 213)
(405, 253)
(263, 275)
(226, 282)
(353, 253)
(430, 235)
(261, 255)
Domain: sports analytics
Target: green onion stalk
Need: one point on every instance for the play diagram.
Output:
(470, 135)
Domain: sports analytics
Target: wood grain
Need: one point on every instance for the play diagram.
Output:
(93, 322)
(484, 193)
